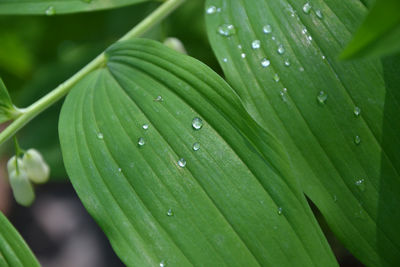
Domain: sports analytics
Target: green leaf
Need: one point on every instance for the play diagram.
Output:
(7, 109)
(379, 35)
(55, 7)
(13, 249)
(232, 202)
(334, 138)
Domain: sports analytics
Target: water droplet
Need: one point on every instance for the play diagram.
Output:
(256, 44)
(119, 170)
(322, 97)
(240, 46)
(287, 63)
(357, 140)
(265, 63)
(145, 126)
(323, 57)
(219, 9)
(196, 146)
(197, 123)
(211, 10)
(280, 211)
(281, 50)
(309, 38)
(283, 95)
(170, 212)
(50, 11)
(273, 38)
(307, 7)
(141, 141)
(276, 77)
(158, 99)
(163, 264)
(304, 31)
(225, 59)
(226, 30)
(267, 29)
(243, 55)
(319, 13)
(100, 136)
(357, 111)
(301, 69)
(360, 184)
(182, 163)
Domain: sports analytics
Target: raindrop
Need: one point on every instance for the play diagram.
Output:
(141, 141)
(319, 13)
(307, 7)
(226, 30)
(225, 59)
(309, 38)
(322, 97)
(240, 46)
(287, 63)
(182, 163)
(323, 57)
(50, 11)
(281, 50)
(267, 29)
(211, 10)
(357, 140)
(197, 123)
(283, 94)
(276, 77)
(196, 146)
(280, 211)
(145, 126)
(158, 99)
(163, 264)
(100, 136)
(256, 44)
(360, 184)
(170, 212)
(273, 38)
(243, 55)
(265, 63)
(119, 170)
(357, 111)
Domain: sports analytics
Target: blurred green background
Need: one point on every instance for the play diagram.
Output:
(36, 54)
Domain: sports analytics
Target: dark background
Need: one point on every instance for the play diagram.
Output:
(36, 54)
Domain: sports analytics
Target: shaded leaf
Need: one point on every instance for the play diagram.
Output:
(13, 249)
(55, 7)
(328, 114)
(127, 139)
(379, 35)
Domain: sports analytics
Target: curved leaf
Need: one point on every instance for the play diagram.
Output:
(129, 148)
(328, 114)
(55, 7)
(379, 35)
(13, 249)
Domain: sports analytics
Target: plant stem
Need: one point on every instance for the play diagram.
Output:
(27, 114)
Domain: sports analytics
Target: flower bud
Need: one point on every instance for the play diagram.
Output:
(21, 187)
(36, 168)
(175, 44)
(12, 164)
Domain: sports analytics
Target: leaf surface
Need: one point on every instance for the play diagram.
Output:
(329, 115)
(13, 249)
(130, 149)
(55, 7)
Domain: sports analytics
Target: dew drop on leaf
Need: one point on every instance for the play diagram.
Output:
(170, 212)
(357, 140)
(211, 10)
(227, 30)
(50, 11)
(357, 111)
(158, 99)
(196, 146)
(307, 7)
(243, 55)
(141, 141)
(145, 126)
(256, 44)
(276, 77)
(287, 63)
(182, 163)
(281, 50)
(265, 63)
(225, 59)
(319, 14)
(360, 184)
(267, 29)
(322, 97)
(163, 264)
(280, 211)
(100, 136)
(197, 123)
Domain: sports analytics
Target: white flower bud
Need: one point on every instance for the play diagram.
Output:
(11, 164)
(175, 44)
(21, 187)
(36, 168)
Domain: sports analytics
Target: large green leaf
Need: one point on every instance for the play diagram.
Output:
(379, 35)
(234, 201)
(54, 7)
(13, 249)
(328, 114)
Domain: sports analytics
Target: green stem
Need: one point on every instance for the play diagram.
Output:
(48, 100)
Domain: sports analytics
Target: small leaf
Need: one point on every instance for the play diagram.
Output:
(13, 249)
(55, 7)
(7, 109)
(379, 35)
(232, 202)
